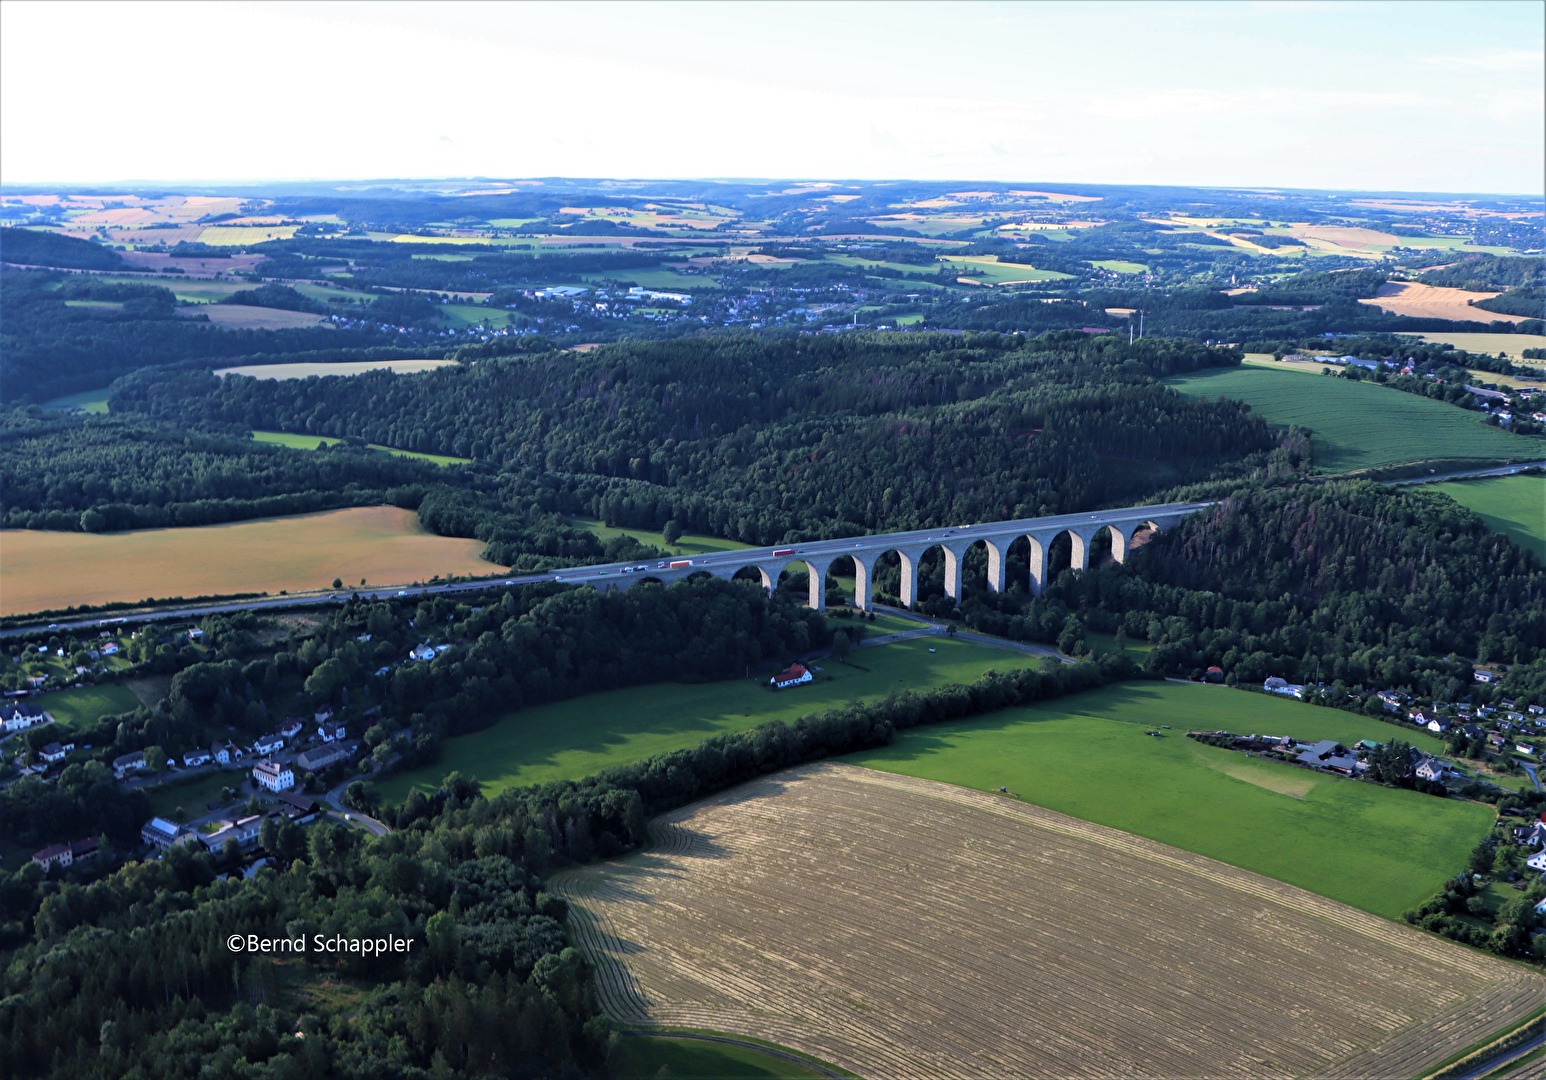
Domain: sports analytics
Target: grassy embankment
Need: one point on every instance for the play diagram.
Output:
(1512, 505)
(582, 736)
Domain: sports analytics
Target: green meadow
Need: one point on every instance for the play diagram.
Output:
(987, 268)
(649, 1057)
(1119, 266)
(687, 544)
(1359, 425)
(92, 401)
(311, 442)
(1512, 505)
(85, 705)
(582, 736)
(193, 794)
(1379, 849)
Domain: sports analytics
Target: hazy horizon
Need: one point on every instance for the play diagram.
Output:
(1431, 98)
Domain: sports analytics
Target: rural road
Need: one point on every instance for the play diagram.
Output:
(333, 799)
(1503, 1059)
(1536, 780)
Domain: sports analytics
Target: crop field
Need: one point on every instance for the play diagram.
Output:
(85, 705)
(344, 367)
(241, 235)
(311, 442)
(461, 315)
(1359, 425)
(1089, 756)
(581, 736)
(382, 544)
(1119, 266)
(247, 317)
(1512, 505)
(903, 928)
(1432, 302)
(1489, 344)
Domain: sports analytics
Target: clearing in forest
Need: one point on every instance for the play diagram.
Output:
(46, 571)
(903, 928)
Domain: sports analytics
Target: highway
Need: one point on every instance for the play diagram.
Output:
(623, 573)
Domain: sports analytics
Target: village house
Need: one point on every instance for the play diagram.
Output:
(220, 754)
(267, 744)
(244, 831)
(161, 833)
(1432, 769)
(423, 651)
(128, 763)
(1392, 700)
(1276, 685)
(196, 757)
(55, 751)
(1537, 861)
(1438, 725)
(1482, 675)
(1497, 740)
(331, 733)
(273, 776)
(793, 675)
(292, 727)
(297, 808)
(109, 648)
(15, 718)
(62, 855)
(1327, 755)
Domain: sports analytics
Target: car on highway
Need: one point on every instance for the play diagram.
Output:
(510, 581)
(53, 626)
(402, 592)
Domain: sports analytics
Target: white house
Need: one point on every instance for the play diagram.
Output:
(1537, 861)
(1276, 685)
(267, 744)
(422, 652)
(22, 717)
(128, 763)
(329, 733)
(1432, 769)
(194, 758)
(292, 727)
(55, 751)
(793, 675)
(273, 776)
(1438, 725)
(1524, 748)
(220, 754)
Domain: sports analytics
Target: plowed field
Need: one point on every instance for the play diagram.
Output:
(899, 928)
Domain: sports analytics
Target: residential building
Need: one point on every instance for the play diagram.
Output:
(1276, 685)
(15, 718)
(58, 855)
(220, 754)
(1537, 861)
(268, 744)
(422, 652)
(793, 675)
(320, 758)
(108, 648)
(1432, 769)
(292, 727)
(273, 776)
(194, 758)
(1482, 675)
(55, 751)
(128, 763)
(331, 733)
(244, 831)
(161, 833)
(298, 808)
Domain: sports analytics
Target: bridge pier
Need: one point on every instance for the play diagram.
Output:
(864, 579)
(908, 593)
(1119, 542)
(1038, 565)
(817, 571)
(953, 566)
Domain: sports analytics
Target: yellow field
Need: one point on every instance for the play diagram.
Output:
(1432, 302)
(1489, 344)
(246, 317)
(43, 571)
(342, 367)
(238, 235)
(904, 928)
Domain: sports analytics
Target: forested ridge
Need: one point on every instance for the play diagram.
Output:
(800, 436)
(1346, 582)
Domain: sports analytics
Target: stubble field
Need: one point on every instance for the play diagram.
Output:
(901, 928)
(1432, 302)
(385, 545)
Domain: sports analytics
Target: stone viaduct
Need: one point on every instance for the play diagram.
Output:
(817, 556)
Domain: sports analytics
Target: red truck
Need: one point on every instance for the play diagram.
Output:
(784, 551)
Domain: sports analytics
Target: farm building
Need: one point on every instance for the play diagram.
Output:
(1276, 685)
(793, 675)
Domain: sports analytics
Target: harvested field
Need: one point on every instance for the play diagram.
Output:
(1432, 302)
(1513, 345)
(342, 367)
(383, 544)
(241, 235)
(899, 928)
(247, 317)
(160, 262)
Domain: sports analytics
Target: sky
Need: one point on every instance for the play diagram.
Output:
(1420, 96)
